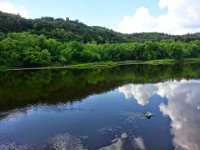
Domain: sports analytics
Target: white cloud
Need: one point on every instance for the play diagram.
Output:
(120, 142)
(139, 143)
(182, 17)
(140, 92)
(182, 107)
(11, 8)
(139, 22)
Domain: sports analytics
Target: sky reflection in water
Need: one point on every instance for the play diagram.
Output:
(182, 107)
(111, 119)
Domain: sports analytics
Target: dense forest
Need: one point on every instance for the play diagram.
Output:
(47, 41)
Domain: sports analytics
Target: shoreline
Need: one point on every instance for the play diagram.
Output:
(108, 64)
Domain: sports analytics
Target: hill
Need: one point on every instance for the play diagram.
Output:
(68, 30)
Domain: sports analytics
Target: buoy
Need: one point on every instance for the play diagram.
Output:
(148, 115)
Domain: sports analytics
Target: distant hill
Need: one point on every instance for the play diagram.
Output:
(68, 30)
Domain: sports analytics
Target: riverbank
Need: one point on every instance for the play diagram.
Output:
(108, 64)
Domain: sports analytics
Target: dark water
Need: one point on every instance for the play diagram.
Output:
(101, 108)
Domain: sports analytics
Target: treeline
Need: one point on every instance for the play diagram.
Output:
(66, 30)
(30, 50)
(47, 41)
(56, 86)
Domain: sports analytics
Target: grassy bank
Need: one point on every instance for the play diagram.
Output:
(110, 64)
(135, 62)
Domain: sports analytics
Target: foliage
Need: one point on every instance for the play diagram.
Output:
(30, 50)
(22, 88)
(47, 41)
(68, 30)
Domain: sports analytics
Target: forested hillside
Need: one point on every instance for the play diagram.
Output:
(68, 30)
(47, 41)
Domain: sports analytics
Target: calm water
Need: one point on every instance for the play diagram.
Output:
(101, 109)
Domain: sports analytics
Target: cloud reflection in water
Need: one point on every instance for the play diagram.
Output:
(119, 143)
(182, 107)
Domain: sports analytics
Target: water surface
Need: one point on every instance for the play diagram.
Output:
(101, 108)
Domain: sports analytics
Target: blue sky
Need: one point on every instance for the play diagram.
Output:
(92, 12)
(121, 15)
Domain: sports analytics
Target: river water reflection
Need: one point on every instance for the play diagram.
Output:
(101, 108)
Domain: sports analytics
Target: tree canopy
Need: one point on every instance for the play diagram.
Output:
(47, 41)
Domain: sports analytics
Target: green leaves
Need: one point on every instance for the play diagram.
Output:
(30, 50)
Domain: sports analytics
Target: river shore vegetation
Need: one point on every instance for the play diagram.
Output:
(59, 42)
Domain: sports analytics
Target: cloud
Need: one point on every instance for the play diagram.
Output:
(139, 22)
(183, 107)
(11, 8)
(182, 17)
(141, 92)
(120, 142)
(139, 143)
